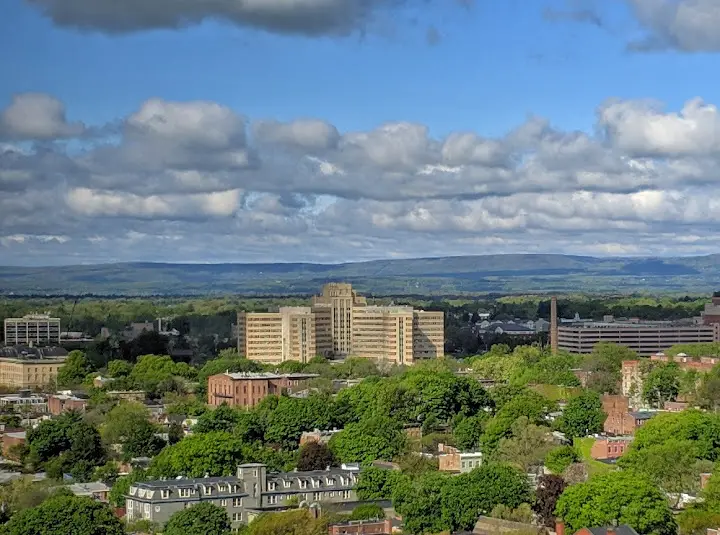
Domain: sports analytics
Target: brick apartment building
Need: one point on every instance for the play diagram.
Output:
(453, 460)
(246, 390)
(607, 448)
(361, 527)
(621, 419)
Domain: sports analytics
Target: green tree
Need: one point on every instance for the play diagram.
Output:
(122, 486)
(175, 433)
(75, 369)
(622, 497)
(529, 404)
(292, 416)
(119, 368)
(662, 384)
(604, 365)
(703, 429)
(295, 522)
(367, 511)
(673, 466)
(63, 515)
(200, 519)
(582, 416)
(21, 494)
(223, 418)
(215, 454)
(467, 431)
(695, 520)
(128, 424)
(378, 483)
(107, 473)
(558, 459)
(527, 446)
(368, 440)
(315, 456)
(478, 492)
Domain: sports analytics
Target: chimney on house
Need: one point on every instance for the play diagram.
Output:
(553, 326)
(559, 526)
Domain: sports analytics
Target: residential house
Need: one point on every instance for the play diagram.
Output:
(25, 401)
(96, 491)
(13, 438)
(322, 437)
(610, 448)
(620, 419)
(487, 525)
(66, 401)
(361, 527)
(453, 460)
(244, 496)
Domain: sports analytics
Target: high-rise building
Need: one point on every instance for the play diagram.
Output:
(273, 337)
(340, 299)
(36, 329)
(340, 323)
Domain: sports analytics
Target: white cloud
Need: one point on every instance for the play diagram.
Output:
(182, 181)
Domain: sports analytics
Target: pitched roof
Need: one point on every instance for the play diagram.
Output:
(622, 529)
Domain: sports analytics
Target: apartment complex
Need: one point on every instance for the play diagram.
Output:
(340, 323)
(251, 492)
(244, 389)
(30, 367)
(645, 338)
(35, 329)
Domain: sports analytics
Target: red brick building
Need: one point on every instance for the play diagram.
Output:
(620, 419)
(10, 439)
(248, 389)
(59, 403)
(361, 527)
(609, 447)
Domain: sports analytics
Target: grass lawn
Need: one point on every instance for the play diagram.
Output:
(584, 445)
(557, 393)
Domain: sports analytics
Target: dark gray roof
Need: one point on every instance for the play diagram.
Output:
(189, 482)
(27, 352)
(622, 529)
(642, 415)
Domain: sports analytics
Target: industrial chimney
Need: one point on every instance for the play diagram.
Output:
(553, 326)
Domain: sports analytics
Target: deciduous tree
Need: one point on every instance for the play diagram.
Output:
(200, 519)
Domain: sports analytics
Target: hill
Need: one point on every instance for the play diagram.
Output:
(422, 276)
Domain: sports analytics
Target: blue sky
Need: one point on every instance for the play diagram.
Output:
(495, 65)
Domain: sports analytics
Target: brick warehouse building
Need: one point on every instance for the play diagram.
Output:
(248, 389)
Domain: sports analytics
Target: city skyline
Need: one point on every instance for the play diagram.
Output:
(257, 132)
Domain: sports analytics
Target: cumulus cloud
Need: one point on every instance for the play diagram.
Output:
(36, 116)
(686, 25)
(199, 181)
(303, 17)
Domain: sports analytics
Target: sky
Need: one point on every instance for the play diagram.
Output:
(349, 130)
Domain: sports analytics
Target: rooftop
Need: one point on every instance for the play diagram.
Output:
(22, 352)
(267, 375)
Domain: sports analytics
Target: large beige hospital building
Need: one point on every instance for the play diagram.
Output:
(340, 323)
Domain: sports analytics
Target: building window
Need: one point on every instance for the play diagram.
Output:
(185, 493)
(272, 485)
(346, 494)
(237, 502)
(223, 503)
(286, 484)
(237, 517)
(317, 495)
(303, 484)
(222, 488)
(165, 494)
(272, 500)
(208, 491)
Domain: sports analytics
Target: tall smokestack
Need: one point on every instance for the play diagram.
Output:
(553, 326)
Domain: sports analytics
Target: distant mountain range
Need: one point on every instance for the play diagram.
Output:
(526, 273)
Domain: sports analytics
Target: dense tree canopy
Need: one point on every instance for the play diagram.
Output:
(200, 519)
(62, 515)
(623, 497)
(582, 416)
(74, 370)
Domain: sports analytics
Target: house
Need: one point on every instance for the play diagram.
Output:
(251, 492)
(622, 529)
(486, 525)
(66, 401)
(322, 437)
(361, 527)
(15, 438)
(96, 491)
(610, 448)
(25, 401)
(453, 460)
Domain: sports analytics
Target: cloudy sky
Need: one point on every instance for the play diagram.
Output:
(339, 130)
